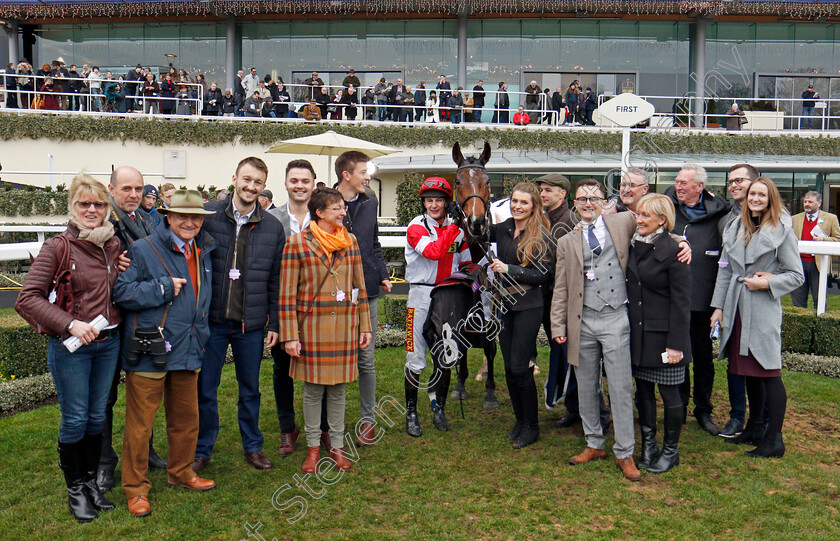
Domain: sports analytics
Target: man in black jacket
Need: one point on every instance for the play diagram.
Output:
(478, 101)
(698, 213)
(134, 78)
(352, 170)
(126, 191)
(246, 288)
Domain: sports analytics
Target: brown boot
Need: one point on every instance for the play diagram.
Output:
(588, 455)
(287, 442)
(313, 454)
(341, 463)
(326, 443)
(628, 468)
(366, 435)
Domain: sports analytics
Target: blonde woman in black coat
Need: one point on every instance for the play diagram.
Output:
(659, 294)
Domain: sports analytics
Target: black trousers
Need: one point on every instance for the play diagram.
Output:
(284, 392)
(516, 340)
(799, 296)
(704, 366)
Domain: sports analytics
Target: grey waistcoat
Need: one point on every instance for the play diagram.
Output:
(608, 288)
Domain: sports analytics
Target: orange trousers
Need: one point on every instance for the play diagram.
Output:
(142, 399)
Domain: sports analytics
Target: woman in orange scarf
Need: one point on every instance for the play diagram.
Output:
(324, 318)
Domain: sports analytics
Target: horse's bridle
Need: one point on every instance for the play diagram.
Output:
(482, 244)
(461, 204)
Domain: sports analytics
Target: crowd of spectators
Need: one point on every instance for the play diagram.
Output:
(57, 87)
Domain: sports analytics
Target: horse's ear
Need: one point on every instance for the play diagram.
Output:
(485, 154)
(457, 157)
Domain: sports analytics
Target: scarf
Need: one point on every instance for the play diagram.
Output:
(331, 242)
(137, 228)
(647, 239)
(98, 236)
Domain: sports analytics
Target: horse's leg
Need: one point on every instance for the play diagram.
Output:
(490, 402)
(439, 404)
(460, 392)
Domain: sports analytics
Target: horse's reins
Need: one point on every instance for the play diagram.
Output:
(486, 250)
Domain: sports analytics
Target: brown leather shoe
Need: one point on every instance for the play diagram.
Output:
(139, 506)
(199, 463)
(588, 455)
(628, 468)
(196, 483)
(365, 435)
(258, 460)
(326, 443)
(313, 455)
(340, 461)
(287, 442)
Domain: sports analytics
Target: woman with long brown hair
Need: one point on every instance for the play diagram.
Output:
(525, 263)
(759, 264)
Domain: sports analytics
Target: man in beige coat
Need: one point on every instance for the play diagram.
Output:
(812, 224)
(589, 311)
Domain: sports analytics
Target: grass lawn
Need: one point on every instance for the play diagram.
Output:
(464, 484)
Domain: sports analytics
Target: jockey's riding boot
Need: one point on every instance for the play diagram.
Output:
(439, 403)
(412, 424)
(647, 425)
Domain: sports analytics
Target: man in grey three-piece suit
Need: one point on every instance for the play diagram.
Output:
(589, 313)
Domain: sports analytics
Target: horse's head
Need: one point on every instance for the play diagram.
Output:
(472, 188)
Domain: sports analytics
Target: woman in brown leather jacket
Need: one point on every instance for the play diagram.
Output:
(90, 252)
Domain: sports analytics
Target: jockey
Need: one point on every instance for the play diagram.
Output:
(435, 249)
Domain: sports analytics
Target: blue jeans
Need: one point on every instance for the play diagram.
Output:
(82, 382)
(247, 357)
(737, 396)
(809, 112)
(455, 118)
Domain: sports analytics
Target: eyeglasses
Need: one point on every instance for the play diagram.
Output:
(435, 185)
(624, 186)
(738, 180)
(99, 205)
(592, 200)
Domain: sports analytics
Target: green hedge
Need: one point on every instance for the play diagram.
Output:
(27, 203)
(23, 352)
(798, 330)
(392, 310)
(211, 133)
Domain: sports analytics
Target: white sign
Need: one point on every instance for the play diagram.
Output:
(626, 110)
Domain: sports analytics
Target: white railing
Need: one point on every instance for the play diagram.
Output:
(823, 250)
(22, 250)
(110, 95)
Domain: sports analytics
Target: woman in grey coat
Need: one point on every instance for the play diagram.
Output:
(758, 265)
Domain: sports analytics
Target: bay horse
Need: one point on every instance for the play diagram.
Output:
(463, 302)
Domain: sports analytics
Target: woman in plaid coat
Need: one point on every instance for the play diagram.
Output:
(324, 318)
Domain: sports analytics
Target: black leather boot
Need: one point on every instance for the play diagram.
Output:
(155, 460)
(412, 423)
(91, 448)
(70, 463)
(647, 425)
(753, 433)
(530, 420)
(516, 403)
(441, 391)
(670, 455)
(772, 446)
